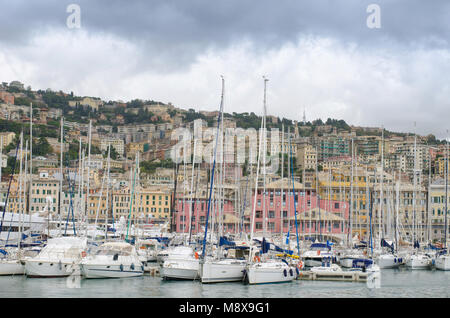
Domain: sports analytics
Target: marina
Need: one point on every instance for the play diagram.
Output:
(196, 150)
(395, 283)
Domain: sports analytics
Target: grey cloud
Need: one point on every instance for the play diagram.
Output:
(171, 33)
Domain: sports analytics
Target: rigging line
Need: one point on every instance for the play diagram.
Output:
(9, 187)
(213, 169)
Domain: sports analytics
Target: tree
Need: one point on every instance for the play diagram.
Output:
(42, 147)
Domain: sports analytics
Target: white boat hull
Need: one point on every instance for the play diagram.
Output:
(258, 274)
(173, 269)
(11, 267)
(111, 271)
(47, 268)
(442, 262)
(388, 261)
(415, 262)
(222, 271)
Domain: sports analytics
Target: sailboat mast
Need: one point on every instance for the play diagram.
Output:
(380, 212)
(212, 172)
(31, 158)
(350, 234)
(88, 177)
(61, 167)
(414, 190)
(21, 188)
(446, 193)
(264, 160)
(192, 190)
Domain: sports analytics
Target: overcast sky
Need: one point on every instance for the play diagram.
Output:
(318, 55)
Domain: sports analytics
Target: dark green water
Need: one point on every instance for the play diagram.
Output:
(398, 283)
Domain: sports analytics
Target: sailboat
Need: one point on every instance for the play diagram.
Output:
(183, 262)
(388, 258)
(418, 259)
(217, 269)
(263, 270)
(354, 256)
(11, 254)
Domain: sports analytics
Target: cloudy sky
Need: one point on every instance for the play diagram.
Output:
(318, 55)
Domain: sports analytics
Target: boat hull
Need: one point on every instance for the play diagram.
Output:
(442, 262)
(11, 267)
(46, 268)
(388, 261)
(111, 271)
(256, 274)
(220, 271)
(418, 263)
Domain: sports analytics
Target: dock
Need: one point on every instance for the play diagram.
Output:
(341, 276)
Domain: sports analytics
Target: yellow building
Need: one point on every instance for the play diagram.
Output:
(7, 138)
(337, 185)
(94, 200)
(44, 192)
(306, 156)
(148, 203)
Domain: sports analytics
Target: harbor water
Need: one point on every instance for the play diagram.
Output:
(394, 283)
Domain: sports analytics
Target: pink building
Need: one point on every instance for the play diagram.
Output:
(314, 215)
(200, 209)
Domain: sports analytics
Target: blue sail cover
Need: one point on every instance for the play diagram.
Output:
(279, 249)
(361, 262)
(384, 243)
(265, 246)
(320, 245)
(224, 241)
(3, 252)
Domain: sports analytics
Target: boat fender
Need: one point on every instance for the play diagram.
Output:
(297, 271)
(291, 272)
(318, 252)
(142, 267)
(121, 267)
(285, 273)
(132, 266)
(83, 254)
(60, 265)
(196, 255)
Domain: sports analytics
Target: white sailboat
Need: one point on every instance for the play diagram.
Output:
(266, 270)
(10, 263)
(217, 269)
(418, 259)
